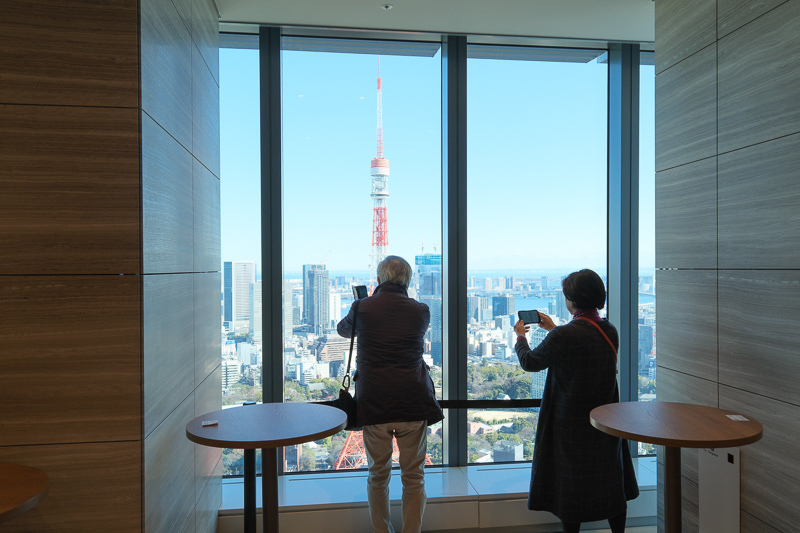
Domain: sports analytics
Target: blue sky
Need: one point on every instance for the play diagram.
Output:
(536, 164)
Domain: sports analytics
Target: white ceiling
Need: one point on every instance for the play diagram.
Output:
(596, 20)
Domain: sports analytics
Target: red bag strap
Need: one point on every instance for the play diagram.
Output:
(603, 333)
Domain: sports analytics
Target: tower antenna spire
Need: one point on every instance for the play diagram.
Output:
(380, 190)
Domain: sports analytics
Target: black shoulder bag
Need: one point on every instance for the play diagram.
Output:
(346, 402)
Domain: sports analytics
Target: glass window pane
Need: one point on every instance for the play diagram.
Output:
(361, 180)
(647, 240)
(240, 217)
(537, 197)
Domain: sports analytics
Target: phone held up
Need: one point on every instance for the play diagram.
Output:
(529, 317)
(359, 291)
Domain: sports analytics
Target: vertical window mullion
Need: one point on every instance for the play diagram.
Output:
(454, 229)
(271, 215)
(623, 209)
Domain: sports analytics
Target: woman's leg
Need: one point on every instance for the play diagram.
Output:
(617, 523)
(571, 527)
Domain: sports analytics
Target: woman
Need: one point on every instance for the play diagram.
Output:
(579, 473)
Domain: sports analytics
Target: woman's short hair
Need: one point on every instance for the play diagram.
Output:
(585, 289)
(395, 269)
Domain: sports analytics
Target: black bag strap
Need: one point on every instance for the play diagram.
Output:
(346, 378)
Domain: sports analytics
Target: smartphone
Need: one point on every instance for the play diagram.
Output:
(529, 317)
(359, 291)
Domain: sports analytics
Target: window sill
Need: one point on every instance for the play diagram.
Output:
(464, 498)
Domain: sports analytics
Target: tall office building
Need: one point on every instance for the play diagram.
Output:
(255, 311)
(503, 305)
(335, 308)
(288, 312)
(316, 297)
(242, 274)
(429, 291)
(561, 307)
(227, 295)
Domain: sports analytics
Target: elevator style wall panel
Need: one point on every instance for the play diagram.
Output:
(53, 57)
(93, 487)
(758, 332)
(167, 202)
(69, 190)
(686, 110)
(167, 69)
(205, 102)
(750, 524)
(733, 14)
(759, 195)
(169, 489)
(207, 336)
(686, 216)
(685, 27)
(207, 239)
(168, 345)
(208, 507)
(687, 337)
(70, 362)
(770, 469)
(759, 79)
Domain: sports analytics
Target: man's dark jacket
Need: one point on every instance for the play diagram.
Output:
(392, 381)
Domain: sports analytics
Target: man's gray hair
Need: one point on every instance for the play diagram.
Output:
(395, 269)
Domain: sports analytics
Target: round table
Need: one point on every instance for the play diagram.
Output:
(267, 426)
(21, 489)
(675, 426)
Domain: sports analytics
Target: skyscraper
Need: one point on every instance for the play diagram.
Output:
(243, 273)
(429, 291)
(503, 305)
(255, 311)
(316, 296)
(227, 294)
(288, 312)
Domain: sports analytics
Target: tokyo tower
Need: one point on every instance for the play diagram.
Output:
(380, 191)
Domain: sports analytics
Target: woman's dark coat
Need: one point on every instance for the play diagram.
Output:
(579, 473)
(392, 381)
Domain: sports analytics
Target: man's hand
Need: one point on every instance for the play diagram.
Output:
(521, 328)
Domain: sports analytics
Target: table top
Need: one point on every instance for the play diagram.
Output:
(676, 424)
(21, 489)
(266, 425)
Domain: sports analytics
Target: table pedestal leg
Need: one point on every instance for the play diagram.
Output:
(269, 488)
(672, 490)
(250, 491)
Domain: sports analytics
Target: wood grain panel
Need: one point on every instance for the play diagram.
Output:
(208, 507)
(686, 308)
(168, 345)
(758, 332)
(208, 460)
(750, 524)
(69, 190)
(205, 127)
(70, 53)
(71, 359)
(207, 237)
(167, 69)
(686, 110)
(759, 194)
(169, 489)
(678, 387)
(184, 8)
(205, 33)
(683, 27)
(733, 14)
(759, 79)
(207, 337)
(93, 487)
(770, 469)
(167, 210)
(686, 216)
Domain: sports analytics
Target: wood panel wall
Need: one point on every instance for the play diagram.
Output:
(181, 260)
(110, 278)
(728, 233)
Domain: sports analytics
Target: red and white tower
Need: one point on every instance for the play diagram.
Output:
(380, 191)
